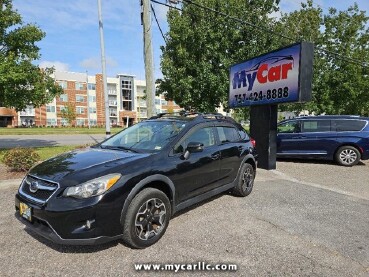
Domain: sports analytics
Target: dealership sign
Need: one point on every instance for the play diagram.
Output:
(280, 76)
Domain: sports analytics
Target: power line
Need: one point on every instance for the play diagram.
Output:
(164, 4)
(354, 61)
(157, 22)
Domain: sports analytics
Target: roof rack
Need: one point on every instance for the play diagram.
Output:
(184, 113)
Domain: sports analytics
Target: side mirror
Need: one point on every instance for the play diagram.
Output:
(193, 147)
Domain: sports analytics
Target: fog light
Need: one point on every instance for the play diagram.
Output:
(89, 224)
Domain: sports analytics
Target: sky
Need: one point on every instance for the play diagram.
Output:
(72, 41)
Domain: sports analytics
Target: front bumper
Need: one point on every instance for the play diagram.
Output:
(44, 230)
(69, 227)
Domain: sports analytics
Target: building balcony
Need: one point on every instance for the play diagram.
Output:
(113, 103)
(113, 115)
(27, 113)
(112, 92)
(142, 115)
(142, 104)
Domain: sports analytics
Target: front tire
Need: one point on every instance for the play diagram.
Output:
(245, 181)
(347, 156)
(147, 218)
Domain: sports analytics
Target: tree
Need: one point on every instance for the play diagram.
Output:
(202, 45)
(69, 113)
(22, 82)
(340, 81)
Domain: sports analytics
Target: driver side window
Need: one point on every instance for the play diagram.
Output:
(203, 135)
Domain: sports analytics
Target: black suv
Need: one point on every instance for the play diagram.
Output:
(131, 184)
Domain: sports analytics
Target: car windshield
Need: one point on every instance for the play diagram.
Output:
(145, 136)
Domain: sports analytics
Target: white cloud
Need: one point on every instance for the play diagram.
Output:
(95, 63)
(59, 66)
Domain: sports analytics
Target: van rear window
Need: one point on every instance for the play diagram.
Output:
(348, 125)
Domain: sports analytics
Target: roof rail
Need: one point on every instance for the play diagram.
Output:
(184, 113)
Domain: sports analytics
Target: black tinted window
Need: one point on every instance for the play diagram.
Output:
(315, 125)
(348, 125)
(203, 135)
(228, 134)
(243, 134)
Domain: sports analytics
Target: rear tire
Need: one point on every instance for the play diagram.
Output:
(347, 156)
(245, 181)
(147, 218)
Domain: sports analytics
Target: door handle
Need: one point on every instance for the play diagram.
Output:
(215, 156)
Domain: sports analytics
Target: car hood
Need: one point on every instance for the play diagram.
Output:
(82, 165)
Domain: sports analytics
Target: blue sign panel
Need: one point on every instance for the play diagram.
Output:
(268, 79)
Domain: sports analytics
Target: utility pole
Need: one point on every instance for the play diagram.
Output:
(148, 56)
(103, 65)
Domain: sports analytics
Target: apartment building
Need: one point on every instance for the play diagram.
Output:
(85, 94)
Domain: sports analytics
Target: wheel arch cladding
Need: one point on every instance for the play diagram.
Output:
(157, 181)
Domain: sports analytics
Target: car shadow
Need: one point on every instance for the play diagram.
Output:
(197, 205)
(314, 161)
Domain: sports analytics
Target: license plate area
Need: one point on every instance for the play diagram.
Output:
(25, 211)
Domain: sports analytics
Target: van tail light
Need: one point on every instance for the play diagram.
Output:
(253, 142)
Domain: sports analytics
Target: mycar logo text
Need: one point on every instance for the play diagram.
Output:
(265, 71)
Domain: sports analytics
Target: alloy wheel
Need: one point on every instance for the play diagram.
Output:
(348, 156)
(150, 219)
(247, 179)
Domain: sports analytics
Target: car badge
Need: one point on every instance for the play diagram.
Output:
(34, 186)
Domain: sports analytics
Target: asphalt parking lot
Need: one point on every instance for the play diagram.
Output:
(304, 219)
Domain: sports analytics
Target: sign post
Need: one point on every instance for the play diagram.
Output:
(281, 76)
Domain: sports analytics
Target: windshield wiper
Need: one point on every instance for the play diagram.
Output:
(118, 148)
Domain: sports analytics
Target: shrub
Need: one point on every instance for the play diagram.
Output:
(20, 159)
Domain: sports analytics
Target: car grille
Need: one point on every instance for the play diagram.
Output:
(37, 190)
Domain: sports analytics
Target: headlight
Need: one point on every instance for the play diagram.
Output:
(92, 188)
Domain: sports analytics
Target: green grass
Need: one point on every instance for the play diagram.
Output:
(45, 152)
(57, 130)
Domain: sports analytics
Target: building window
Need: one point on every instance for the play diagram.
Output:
(127, 105)
(92, 98)
(113, 112)
(93, 122)
(164, 103)
(92, 110)
(80, 98)
(157, 101)
(62, 108)
(80, 110)
(63, 97)
(62, 84)
(126, 94)
(50, 109)
(64, 122)
(51, 122)
(80, 121)
(91, 86)
(79, 86)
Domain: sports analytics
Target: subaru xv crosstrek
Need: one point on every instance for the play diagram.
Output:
(129, 186)
(344, 139)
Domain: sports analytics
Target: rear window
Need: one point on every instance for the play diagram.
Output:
(348, 125)
(228, 134)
